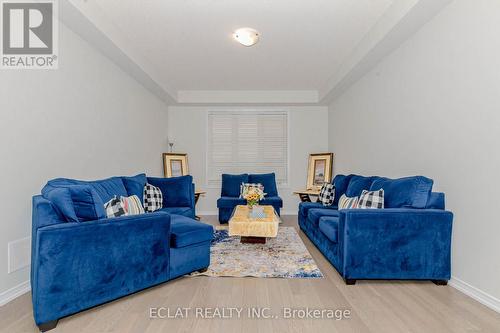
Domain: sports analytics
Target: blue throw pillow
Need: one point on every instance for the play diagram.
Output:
(176, 191)
(60, 197)
(77, 203)
(135, 185)
(266, 179)
(409, 192)
(108, 188)
(231, 184)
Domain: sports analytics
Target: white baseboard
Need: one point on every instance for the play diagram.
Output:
(475, 293)
(14, 292)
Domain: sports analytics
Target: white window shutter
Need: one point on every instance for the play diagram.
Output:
(247, 142)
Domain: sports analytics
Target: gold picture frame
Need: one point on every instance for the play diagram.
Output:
(175, 165)
(319, 170)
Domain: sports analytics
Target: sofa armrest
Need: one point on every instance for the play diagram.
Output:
(79, 265)
(395, 243)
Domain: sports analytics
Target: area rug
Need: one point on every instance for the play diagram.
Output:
(282, 257)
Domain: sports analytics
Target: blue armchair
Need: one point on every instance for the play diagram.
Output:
(81, 259)
(410, 239)
(230, 193)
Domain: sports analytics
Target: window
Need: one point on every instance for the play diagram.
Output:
(247, 142)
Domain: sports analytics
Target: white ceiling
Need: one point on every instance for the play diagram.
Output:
(307, 47)
(189, 41)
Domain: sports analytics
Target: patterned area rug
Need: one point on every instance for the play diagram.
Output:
(282, 257)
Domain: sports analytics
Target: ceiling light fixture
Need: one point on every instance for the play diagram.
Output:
(246, 36)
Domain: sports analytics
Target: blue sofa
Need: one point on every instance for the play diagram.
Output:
(230, 193)
(410, 239)
(81, 259)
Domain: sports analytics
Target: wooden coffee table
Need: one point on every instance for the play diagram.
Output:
(253, 229)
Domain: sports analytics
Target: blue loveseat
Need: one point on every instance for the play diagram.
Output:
(230, 193)
(81, 259)
(410, 239)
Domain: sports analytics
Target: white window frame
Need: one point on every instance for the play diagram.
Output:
(286, 182)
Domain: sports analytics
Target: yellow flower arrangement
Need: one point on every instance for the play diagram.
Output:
(253, 196)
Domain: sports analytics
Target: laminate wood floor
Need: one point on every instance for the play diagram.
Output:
(375, 306)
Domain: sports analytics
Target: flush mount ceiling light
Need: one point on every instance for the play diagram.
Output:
(246, 36)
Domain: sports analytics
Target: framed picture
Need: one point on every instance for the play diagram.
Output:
(319, 170)
(175, 165)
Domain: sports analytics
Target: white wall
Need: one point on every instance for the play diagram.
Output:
(86, 120)
(308, 128)
(433, 108)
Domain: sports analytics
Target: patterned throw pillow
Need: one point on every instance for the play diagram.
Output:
(153, 198)
(348, 203)
(371, 199)
(244, 187)
(114, 208)
(132, 205)
(327, 194)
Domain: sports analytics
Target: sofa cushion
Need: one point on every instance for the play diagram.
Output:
(185, 211)
(327, 194)
(186, 231)
(329, 226)
(316, 213)
(305, 206)
(177, 191)
(60, 197)
(230, 202)
(135, 185)
(357, 184)
(231, 184)
(341, 182)
(436, 201)
(75, 202)
(409, 192)
(371, 199)
(266, 179)
(106, 189)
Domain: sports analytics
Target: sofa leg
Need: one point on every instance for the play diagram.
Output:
(440, 282)
(48, 326)
(350, 282)
(203, 270)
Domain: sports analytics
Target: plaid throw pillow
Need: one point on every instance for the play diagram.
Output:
(346, 202)
(114, 208)
(327, 194)
(371, 199)
(153, 198)
(132, 205)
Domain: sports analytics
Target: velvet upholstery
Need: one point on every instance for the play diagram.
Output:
(268, 180)
(231, 184)
(185, 211)
(397, 243)
(329, 226)
(176, 191)
(392, 243)
(315, 214)
(227, 204)
(410, 192)
(76, 202)
(135, 185)
(186, 231)
(230, 193)
(357, 184)
(341, 182)
(436, 201)
(75, 266)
